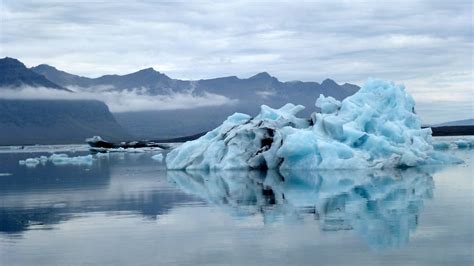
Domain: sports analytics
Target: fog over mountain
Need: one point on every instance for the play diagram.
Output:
(29, 118)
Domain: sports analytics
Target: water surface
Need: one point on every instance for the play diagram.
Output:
(127, 209)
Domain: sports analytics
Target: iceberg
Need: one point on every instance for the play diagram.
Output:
(30, 162)
(373, 129)
(157, 157)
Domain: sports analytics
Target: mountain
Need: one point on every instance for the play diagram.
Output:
(154, 81)
(61, 77)
(49, 121)
(15, 74)
(261, 87)
(56, 122)
(465, 122)
(249, 93)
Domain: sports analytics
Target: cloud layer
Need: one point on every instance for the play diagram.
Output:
(427, 45)
(123, 101)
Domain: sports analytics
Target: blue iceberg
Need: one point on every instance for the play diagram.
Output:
(375, 128)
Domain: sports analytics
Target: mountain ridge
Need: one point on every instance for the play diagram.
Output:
(156, 81)
(15, 75)
(463, 122)
(48, 69)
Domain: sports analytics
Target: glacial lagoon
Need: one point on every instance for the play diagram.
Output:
(127, 209)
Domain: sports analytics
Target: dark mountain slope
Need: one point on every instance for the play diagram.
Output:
(15, 74)
(56, 122)
(61, 77)
(154, 81)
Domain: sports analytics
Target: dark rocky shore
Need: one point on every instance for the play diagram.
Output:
(453, 130)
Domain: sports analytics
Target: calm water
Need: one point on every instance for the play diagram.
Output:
(126, 209)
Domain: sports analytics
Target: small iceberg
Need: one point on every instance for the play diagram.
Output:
(63, 159)
(58, 159)
(157, 157)
(374, 128)
(449, 143)
(30, 162)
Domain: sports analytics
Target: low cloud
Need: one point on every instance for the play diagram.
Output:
(123, 101)
(266, 93)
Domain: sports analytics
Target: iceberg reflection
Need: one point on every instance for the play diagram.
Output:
(382, 207)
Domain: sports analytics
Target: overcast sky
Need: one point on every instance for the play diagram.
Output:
(426, 45)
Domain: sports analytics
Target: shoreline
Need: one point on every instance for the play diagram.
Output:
(453, 131)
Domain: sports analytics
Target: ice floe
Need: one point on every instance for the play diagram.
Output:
(88, 160)
(58, 159)
(445, 143)
(375, 128)
(126, 150)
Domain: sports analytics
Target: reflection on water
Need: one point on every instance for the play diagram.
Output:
(127, 209)
(380, 206)
(48, 194)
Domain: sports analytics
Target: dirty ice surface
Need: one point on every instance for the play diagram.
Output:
(375, 128)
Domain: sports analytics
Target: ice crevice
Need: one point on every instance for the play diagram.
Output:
(374, 128)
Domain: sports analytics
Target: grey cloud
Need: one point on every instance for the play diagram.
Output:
(410, 42)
